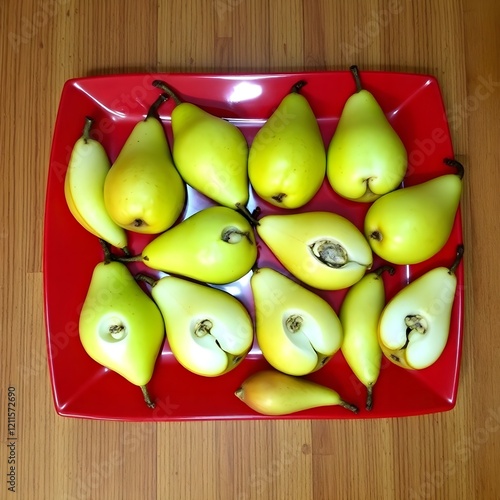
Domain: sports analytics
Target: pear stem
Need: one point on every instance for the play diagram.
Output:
(163, 86)
(153, 110)
(382, 269)
(249, 216)
(369, 397)
(298, 86)
(455, 164)
(107, 252)
(86, 129)
(147, 397)
(147, 279)
(133, 258)
(458, 258)
(355, 73)
(349, 406)
(108, 255)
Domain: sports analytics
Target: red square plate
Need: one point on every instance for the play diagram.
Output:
(82, 388)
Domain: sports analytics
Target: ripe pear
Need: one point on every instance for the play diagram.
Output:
(412, 224)
(215, 245)
(143, 191)
(120, 326)
(84, 189)
(208, 330)
(366, 157)
(415, 324)
(322, 249)
(297, 331)
(209, 152)
(271, 392)
(359, 314)
(287, 158)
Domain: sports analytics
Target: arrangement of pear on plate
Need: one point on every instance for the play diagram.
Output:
(209, 331)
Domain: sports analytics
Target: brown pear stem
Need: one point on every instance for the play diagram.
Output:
(355, 73)
(147, 279)
(382, 269)
(153, 110)
(86, 129)
(159, 84)
(455, 164)
(458, 258)
(108, 255)
(369, 397)
(298, 86)
(349, 406)
(132, 258)
(107, 252)
(147, 397)
(249, 216)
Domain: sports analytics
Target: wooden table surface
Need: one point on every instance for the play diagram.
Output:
(449, 455)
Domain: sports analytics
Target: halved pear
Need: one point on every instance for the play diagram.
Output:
(322, 249)
(297, 331)
(120, 327)
(415, 324)
(208, 330)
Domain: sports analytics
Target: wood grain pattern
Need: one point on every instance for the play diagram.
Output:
(443, 456)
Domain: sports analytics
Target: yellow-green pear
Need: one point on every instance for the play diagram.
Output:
(322, 249)
(414, 326)
(143, 191)
(84, 189)
(209, 152)
(287, 158)
(298, 332)
(359, 315)
(271, 392)
(120, 326)
(412, 224)
(208, 330)
(366, 157)
(215, 245)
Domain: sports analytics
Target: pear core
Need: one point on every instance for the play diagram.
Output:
(293, 323)
(112, 329)
(203, 328)
(330, 253)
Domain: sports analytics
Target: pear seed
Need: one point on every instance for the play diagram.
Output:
(330, 253)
